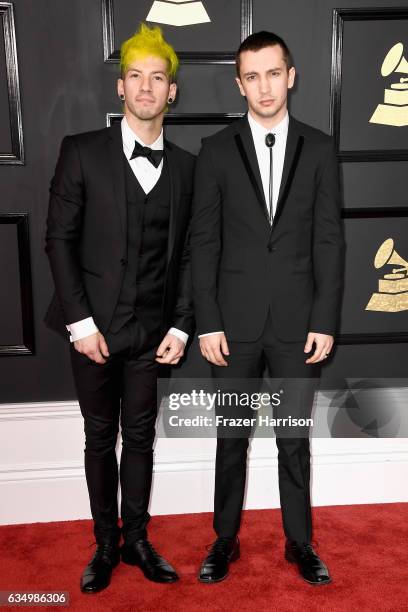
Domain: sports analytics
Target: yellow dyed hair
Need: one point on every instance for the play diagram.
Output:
(148, 41)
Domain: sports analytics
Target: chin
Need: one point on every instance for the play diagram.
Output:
(268, 112)
(146, 114)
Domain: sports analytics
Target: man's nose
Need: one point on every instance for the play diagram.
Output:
(264, 86)
(145, 84)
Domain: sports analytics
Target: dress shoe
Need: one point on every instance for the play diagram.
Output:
(311, 567)
(154, 567)
(97, 573)
(215, 566)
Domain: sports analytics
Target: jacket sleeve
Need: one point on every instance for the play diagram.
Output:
(183, 315)
(206, 243)
(64, 222)
(328, 247)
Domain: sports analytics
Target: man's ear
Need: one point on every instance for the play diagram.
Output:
(291, 77)
(241, 89)
(119, 87)
(173, 91)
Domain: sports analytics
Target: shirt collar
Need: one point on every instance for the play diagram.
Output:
(259, 131)
(129, 137)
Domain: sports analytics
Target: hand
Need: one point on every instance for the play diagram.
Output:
(170, 350)
(94, 347)
(213, 348)
(324, 344)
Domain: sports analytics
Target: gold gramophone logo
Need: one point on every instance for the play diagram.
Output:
(394, 111)
(178, 12)
(392, 295)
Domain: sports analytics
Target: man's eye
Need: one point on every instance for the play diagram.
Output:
(159, 78)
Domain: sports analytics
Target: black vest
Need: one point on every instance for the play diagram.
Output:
(142, 288)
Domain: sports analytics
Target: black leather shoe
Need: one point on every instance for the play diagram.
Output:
(97, 573)
(215, 566)
(154, 567)
(311, 567)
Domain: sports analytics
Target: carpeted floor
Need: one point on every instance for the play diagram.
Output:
(365, 547)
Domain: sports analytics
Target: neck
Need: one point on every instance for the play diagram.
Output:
(147, 130)
(269, 122)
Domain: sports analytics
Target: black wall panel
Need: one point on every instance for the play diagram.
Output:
(67, 86)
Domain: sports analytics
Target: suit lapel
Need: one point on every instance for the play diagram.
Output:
(246, 148)
(115, 147)
(294, 144)
(175, 186)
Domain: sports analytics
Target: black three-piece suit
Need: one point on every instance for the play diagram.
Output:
(121, 257)
(266, 287)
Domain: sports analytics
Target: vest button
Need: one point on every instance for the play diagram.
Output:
(123, 261)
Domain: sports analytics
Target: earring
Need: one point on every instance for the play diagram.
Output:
(170, 101)
(122, 97)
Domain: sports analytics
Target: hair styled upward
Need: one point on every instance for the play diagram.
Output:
(260, 40)
(148, 41)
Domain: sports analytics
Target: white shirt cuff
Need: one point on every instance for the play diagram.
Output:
(81, 329)
(210, 334)
(179, 334)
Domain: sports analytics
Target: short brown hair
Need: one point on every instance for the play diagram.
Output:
(260, 40)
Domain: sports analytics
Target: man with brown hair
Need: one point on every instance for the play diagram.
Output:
(267, 256)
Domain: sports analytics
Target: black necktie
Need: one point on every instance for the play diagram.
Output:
(154, 156)
(270, 141)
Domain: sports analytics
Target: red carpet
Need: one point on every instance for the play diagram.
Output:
(364, 546)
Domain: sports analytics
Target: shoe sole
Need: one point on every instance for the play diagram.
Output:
(289, 558)
(235, 557)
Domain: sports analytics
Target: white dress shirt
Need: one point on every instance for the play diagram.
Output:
(147, 175)
(259, 132)
(280, 132)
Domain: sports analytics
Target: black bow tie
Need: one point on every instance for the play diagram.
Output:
(154, 156)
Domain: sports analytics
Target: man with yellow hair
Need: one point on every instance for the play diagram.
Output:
(116, 239)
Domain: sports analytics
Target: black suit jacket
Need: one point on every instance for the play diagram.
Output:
(240, 265)
(86, 238)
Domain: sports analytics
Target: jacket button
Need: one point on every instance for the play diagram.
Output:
(123, 261)
(271, 248)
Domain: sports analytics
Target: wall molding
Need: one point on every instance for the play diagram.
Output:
(21, 221)
(16, 155)
(111, 54)
(44, 480)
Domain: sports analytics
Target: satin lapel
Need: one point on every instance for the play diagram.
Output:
(294, 144)
(175, 186)
(115, 147)
(246, 148)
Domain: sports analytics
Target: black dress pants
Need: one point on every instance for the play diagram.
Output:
(286, 361)
(123, 389)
